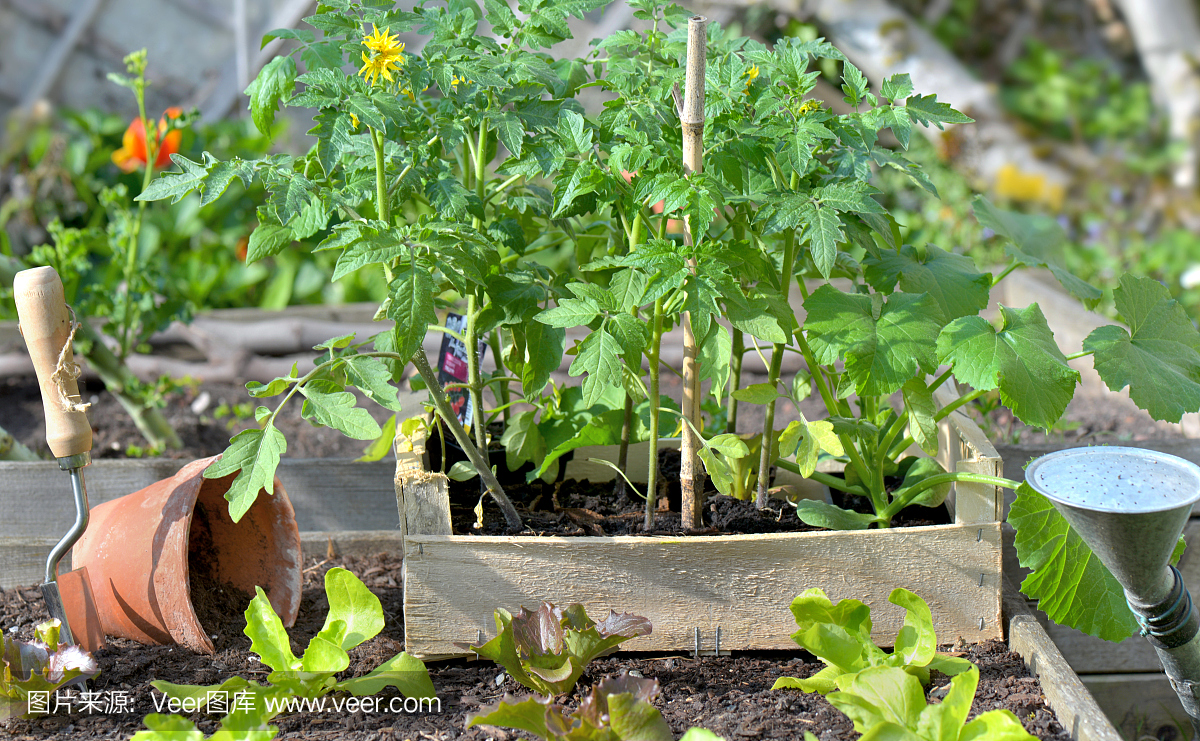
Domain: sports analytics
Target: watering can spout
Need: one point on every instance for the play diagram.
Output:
(1130, 506)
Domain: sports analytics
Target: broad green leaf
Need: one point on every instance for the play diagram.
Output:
(381, 445)
(1037, 241)
(526, 715)
(1021, 359)
(916, 643)
(897, 87)
(890, 732)
(599, 361)
(632, 335)
(884, 343)
(324, 653)
(633, 718)
(274, 83)
(995, 725)
(254, 456)
(757, 393)
(821, 514)
(1070, 584)
(756, 318)
(602, 429)
(406, 673)
(714, 359)
(952, 280)
(944, 721)
(718, 471)
(329, 404)
(522, 440)
(702, 734)
(510, 130)
(921, 469)
(895, 695)
(1158, 359)
(918, 400)
(268, 639)
(627, 288)
(351, 602)
(463, 471)
(168, 727)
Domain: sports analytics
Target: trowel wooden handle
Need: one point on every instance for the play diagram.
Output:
(46, 325)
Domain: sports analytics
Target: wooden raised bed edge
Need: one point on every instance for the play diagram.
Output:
(1075, 707)
(739, 585)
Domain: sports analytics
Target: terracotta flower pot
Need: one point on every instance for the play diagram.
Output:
(141, 551)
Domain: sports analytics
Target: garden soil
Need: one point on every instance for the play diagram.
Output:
(730, 695)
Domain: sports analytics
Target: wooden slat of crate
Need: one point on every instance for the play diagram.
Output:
(1076, 708)
(742, 583)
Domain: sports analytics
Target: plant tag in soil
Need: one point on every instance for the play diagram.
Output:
(452, 367)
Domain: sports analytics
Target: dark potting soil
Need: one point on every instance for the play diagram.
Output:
(574, 508)
(730, 695)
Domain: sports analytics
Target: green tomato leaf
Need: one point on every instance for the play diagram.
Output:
(374, 379)
(814, 437)
(823, 232)
(544, 352)
(381, 445)
(570, 312)
(599, 361)
(352, 603)
(327, 403)
(926, 110)
(1022, 360)
(267, 239)
(268, 639)
(274, 83)
(1159, 360)
(718, 471)
(411, 308)
(254, 455)
(1070, 584)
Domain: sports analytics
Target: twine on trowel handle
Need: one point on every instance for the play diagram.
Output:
(65, 370)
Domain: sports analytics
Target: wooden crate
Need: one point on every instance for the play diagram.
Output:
(739, 585)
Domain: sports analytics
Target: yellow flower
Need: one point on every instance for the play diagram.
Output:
(808, 107)
(382, 43)
(455, 81)
(354, 120)
(751, 76)
(388, 55)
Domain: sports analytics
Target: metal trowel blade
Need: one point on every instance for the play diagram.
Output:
(70, 600)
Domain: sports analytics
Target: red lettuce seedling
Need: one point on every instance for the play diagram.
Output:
(617, 708)
(547, 649)
(41, 665)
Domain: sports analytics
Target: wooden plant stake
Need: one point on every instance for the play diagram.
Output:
(692, 119)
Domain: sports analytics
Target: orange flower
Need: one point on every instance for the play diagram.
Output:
(132, 153)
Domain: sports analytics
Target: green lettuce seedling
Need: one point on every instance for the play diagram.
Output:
(886, 702)
(355, 615)
(547, 649)
(40, 665)
(617, 708)
(840, 636)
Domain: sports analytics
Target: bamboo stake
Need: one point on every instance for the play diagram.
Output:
(692, 120)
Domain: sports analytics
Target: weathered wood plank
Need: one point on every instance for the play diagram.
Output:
(742, 583)
(327, 494)
(1075, 707)
(962, 446)
(317, 544)
(23, 560)
(1139, 705)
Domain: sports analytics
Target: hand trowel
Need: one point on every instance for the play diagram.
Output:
(47, 328)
